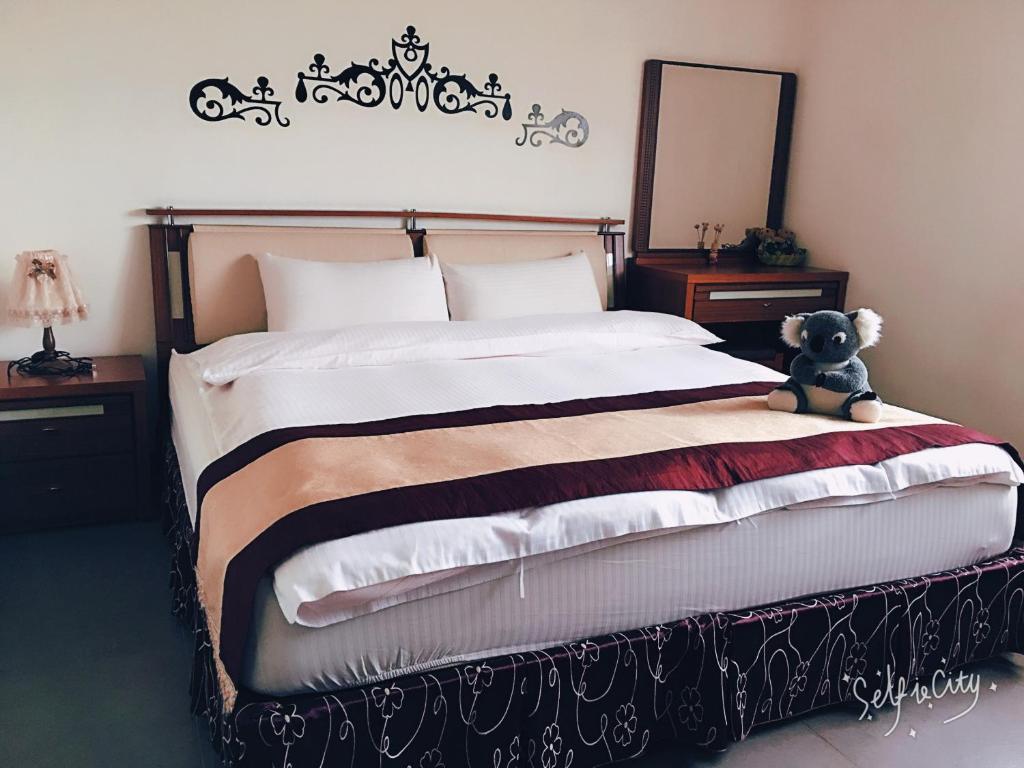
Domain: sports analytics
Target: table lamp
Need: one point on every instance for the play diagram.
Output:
(43, 292)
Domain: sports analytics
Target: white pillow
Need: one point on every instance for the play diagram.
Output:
(322, 295)
(517, 289)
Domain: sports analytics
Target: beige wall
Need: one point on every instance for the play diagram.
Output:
(908, 170)
(94, 120)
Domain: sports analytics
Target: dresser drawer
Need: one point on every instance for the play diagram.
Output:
(743, 302)
(37, 429)
(55, 492)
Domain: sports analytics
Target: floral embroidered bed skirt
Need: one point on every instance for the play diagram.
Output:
(704, 681)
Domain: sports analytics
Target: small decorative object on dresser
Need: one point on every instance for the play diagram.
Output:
(44, 293)
(702, 230)
(73, 449)
(776, 247)
(716, 244)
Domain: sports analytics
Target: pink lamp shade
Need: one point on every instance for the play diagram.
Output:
(44, 292)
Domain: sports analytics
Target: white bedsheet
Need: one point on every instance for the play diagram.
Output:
(338, 580)
(761, 559)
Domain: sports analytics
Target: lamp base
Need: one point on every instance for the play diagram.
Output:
(51, 363)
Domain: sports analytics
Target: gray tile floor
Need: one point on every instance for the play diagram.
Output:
(94, 672)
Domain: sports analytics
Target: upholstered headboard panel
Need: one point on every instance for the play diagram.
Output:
(224, 281)
(492, 246)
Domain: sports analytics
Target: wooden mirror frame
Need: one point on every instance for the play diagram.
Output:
(643, 197)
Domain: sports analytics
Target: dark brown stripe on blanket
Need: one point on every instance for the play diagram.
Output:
(699, 468)
(252, 449)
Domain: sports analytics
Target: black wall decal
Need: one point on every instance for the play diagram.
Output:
(215, 99)
(407, 72)
(570, 129)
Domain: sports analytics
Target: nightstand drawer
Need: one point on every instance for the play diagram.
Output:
(43, 429)
(743, 302)
(51, 493)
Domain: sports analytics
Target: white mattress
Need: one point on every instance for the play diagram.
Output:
(432, 593)
(757, 560)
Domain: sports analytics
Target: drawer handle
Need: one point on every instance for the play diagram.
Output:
(48, 429)
(59, 412)
(766, 304)
(767, 293)
(54, 488)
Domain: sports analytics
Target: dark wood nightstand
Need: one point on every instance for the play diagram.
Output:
(743, 303)
(74, 450)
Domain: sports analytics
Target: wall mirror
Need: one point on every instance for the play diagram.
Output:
(714, 147)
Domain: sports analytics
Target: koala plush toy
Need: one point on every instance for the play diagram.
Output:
(827, 376)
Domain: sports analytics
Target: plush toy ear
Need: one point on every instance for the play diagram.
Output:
(869, 326)
(791, 328)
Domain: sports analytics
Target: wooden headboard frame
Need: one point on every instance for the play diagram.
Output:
(168, 242)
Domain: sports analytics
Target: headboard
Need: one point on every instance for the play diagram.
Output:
(206, 284)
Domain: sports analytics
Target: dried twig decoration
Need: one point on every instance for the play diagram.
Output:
(702, 230)
(713, 255)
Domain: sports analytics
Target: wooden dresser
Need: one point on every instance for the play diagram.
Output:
(744, 302)
(74, 450)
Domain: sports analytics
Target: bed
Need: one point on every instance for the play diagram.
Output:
(577, 631)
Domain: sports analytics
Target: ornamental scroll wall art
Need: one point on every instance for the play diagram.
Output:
(215, 99)
(407, 73)
(570, 129)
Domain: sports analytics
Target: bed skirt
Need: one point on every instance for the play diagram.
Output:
(703, 681)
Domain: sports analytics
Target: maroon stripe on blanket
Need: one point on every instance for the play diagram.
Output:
(252, 449)
(700, 468)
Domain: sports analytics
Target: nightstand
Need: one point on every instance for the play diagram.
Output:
(74, 450)
(743, 303)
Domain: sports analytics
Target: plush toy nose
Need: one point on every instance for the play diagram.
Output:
(817, 343)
